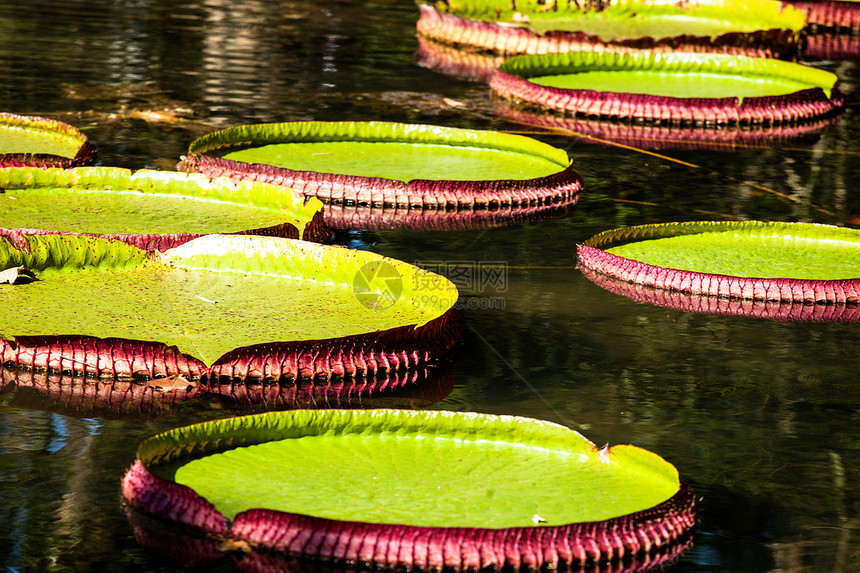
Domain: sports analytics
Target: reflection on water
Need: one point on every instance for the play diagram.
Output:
(760, 417)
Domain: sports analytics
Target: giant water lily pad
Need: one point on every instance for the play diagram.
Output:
(42, 142)
(392, 164)
(789, 262)
(151, 209)
(219, 307)
(757, 28)
(677, 87)
(412, 488)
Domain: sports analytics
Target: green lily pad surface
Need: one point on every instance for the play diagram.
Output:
(677, 87)
(675, 84)
(626, 19)
(38, 140)
(433, 487)
(118, 201)
(392, 164)
(750, 260)
(401, 161)
(749, 249)
(401, 152)
(753, 253)
(679, 75)
(451, 470)
(213, 294)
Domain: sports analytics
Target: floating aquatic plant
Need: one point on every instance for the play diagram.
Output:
(154, 210)
(42, 142)
(426, 489)
(219, 307)
(762, 28)
(671, 88)
(379, 164)
(797, 263)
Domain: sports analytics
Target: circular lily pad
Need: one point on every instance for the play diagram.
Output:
(151, 209)
(677, 87)
(788, 262)
(392, 164)
(427, 489)
(220, 307)
(745, 27)
(41, 142)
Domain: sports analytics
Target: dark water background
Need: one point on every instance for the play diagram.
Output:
(761, 418)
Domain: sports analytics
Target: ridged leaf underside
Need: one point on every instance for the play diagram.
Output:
(675, 88)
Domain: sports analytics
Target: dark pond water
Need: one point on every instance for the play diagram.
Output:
(760, 417)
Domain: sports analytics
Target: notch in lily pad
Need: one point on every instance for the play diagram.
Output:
(760, 28)
(382, 164)
(681, 87)
(42, 142)
(224, 308)
(778, 268)
(416, 489)
(154, 210)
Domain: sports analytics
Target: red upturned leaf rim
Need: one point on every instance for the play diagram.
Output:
(512, 82)
(505, 39)
(659, 136)
(829, 15)
(785, 290)
(614, 540)
(451, 61)
(775, 310)
(830, 46)
(52, 128)
(126, 398)
(391, 218)
(349, 190)
(194, 549)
